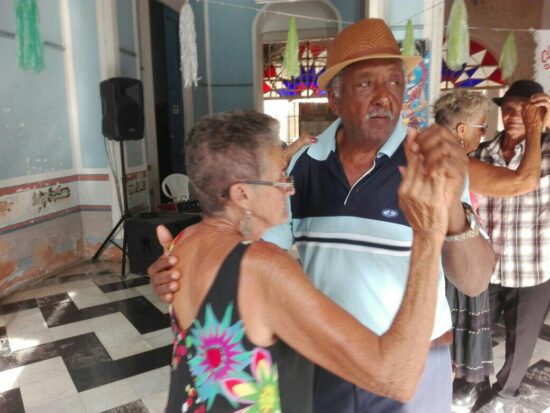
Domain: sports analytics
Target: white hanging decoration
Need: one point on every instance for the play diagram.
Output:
(188, 46)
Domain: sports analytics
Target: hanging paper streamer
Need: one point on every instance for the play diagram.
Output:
(30, 51)
(408, 43)
(188, 47)
(291, 63)
(458, 38)
(508, 57)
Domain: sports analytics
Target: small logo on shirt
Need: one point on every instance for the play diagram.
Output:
(389, 213)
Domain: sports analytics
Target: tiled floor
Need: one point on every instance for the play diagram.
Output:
(86, 341)
(535, 389)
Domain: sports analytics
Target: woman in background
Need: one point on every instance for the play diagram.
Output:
(465, 113)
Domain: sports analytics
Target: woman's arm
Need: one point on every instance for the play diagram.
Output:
(285, 303)
(304, 139)
(308, 321)
(497, 181)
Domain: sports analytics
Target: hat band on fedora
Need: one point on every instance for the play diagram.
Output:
(372, 51)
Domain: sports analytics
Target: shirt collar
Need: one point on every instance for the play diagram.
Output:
(395, 139)
(326, 141)
(494, 146)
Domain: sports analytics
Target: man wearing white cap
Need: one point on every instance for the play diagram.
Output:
(352, 237)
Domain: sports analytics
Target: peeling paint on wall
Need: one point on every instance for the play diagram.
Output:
(137, 185)
(7, 268)
(5, 207)
(43, 198)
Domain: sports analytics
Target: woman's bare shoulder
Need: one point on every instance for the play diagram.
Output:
(267, 259)
(262, 250)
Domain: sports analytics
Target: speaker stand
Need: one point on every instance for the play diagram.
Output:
(125, 216)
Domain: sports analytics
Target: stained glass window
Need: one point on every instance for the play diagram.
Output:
(480, 71)
(313, 55)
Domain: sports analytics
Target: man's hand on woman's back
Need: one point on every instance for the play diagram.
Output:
(164, 278)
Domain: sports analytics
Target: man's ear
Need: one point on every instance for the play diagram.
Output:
(333, 102)
(239, 194)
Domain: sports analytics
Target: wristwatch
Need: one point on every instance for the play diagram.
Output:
(474, 227)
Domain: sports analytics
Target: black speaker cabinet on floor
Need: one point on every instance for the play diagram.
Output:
(141, 236)
(122, 108)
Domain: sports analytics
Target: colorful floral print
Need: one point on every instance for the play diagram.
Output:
(179, 350)
(218, 353)
(261, 391)
(220, 365)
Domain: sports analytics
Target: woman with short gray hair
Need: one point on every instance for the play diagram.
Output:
(245, 309)
(465, 113)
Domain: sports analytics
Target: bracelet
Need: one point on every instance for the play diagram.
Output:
(473, 226)
(469, 233)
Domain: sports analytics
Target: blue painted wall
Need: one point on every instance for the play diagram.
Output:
(200, 99)
(231, 55)
(231, 52)
(128, 52)
(400, 11)
(87, 77)
(34, 123)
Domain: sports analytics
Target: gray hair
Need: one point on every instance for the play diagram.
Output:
(226, 148)
(459, 106)
(334, 84)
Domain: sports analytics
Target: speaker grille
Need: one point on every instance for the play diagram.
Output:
(122, 108)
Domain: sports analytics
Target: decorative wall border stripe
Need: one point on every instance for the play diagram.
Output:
(54, 215)
(50, 182)
(135, 175)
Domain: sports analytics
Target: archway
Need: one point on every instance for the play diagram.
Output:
(293, 100)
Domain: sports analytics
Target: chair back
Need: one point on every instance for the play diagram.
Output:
(176, 187)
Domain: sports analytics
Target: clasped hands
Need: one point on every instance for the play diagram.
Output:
(433, 180)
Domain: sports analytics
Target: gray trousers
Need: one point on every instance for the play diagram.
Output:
(524, 310)
(434, 393)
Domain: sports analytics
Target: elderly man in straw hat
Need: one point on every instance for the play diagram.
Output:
(352, 237)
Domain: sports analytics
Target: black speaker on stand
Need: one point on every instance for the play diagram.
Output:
(123, 120)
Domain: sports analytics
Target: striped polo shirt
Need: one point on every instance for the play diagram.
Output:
(354, 243)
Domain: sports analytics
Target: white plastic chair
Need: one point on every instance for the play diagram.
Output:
(176, 187)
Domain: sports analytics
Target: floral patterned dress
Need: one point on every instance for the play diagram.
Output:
(215, 368)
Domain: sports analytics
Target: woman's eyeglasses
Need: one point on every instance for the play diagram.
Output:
(287, 184)
(482, 127)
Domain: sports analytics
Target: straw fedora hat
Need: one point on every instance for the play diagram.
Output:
(366, 39)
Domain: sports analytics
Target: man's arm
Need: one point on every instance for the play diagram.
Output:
(496, 181)
(469, 263)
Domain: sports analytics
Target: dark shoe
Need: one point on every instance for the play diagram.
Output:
(498, 405)
(465, 395)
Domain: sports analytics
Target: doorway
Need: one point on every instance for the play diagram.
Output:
(165, 49)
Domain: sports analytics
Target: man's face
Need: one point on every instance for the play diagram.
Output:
(370, 98)
(511, 116)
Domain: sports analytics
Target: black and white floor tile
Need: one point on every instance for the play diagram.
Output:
(87, 341)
